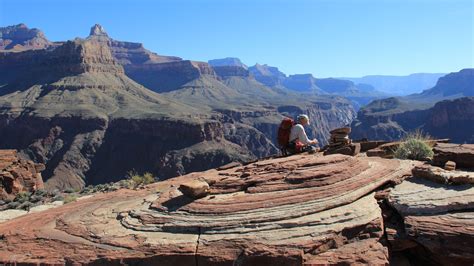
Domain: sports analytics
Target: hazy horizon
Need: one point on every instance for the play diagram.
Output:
(324, 38)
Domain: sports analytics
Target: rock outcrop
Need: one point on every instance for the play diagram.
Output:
(228, 61)
(18, 175)
(437, 218)
(302, 209)
(461, 154)
(20, 37)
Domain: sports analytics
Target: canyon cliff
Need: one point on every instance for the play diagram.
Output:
(73, 108)
(448, 105)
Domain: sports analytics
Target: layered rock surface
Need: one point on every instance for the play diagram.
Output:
(437, 216)
(302, 209)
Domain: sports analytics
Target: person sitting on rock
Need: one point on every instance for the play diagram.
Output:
(299, 141)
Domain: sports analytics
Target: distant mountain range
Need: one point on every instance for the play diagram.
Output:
(400, 85)
(306, 83)
(446, 110)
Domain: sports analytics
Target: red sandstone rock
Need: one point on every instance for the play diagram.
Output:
(194, 188)
(18, 175)
(450, 165)
(461, 154)
(438, 217)
(285, 211)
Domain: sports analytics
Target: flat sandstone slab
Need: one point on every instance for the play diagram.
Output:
(439, 217)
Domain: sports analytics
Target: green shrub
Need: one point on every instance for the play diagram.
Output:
(414, 147)
(69, 190)
(22, 197)
(13, 205)
(36, 198)
(40, 192)
(58, 197)
(26, 206)
(69, 198)
(140, 180)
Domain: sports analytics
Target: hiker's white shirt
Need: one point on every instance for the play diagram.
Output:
(297, 132)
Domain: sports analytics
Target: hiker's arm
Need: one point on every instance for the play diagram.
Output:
(303, 137)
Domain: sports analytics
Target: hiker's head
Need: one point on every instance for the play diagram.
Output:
(303, 120)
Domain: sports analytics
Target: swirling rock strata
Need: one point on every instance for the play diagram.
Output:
(297, 210)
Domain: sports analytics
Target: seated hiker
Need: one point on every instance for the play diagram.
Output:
(299, 141)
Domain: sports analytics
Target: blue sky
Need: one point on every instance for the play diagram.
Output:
(326, 37)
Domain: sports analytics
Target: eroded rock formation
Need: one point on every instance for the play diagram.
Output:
(18, 175)
(20, 37)
(286, 211)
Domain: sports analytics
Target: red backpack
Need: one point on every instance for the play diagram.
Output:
(284, 134)
(284, 137)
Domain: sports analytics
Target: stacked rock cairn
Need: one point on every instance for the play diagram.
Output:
(340, 142)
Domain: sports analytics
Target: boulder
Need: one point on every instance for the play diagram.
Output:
(450, 165)
(195, 188)
(368, 145)
(461, 154)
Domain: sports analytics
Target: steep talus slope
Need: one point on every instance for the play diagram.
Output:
(286, 211)
(89, 123)
(392, 118)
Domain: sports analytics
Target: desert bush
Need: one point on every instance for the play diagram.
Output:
(36, 198)
(22, 197)
(54, 193)
(70, 198)
(13, 205)
(140, 180)
(58, 197)
(414, 147)
(26, 206)
(40, 192)
(69, 190)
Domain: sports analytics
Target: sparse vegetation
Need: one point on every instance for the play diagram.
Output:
(22, 197)
(70, 198)
(137, 180)
(415, 147)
